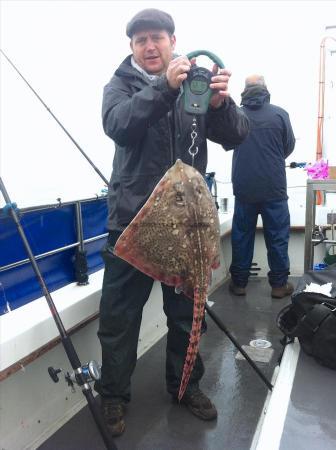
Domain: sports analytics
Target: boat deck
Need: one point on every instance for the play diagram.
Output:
(154, 423)
(310, 419)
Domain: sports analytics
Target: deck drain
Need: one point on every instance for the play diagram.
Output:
(257, 354)
(260, 343)
(259, 350)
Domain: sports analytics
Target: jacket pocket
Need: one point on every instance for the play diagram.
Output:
(133, 194)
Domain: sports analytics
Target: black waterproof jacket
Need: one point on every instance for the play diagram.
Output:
(150, 128)
(258, 165)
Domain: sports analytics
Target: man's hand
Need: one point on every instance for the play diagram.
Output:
(220, 82)
(178, 70)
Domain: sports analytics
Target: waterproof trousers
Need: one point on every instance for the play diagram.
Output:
(124, 293)
(276, 227)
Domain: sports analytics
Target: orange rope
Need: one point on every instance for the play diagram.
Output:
(320, 115)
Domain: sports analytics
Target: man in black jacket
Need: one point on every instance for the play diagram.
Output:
(260, 187)
(144, 115)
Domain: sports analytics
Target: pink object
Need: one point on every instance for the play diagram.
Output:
(318, 171)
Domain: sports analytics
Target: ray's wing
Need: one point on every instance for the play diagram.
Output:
(163, 239)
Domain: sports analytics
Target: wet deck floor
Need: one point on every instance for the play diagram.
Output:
(310, 421)
(154, 423)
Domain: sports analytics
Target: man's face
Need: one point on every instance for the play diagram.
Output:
(153, 50)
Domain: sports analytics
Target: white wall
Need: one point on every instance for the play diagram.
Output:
(68, 50)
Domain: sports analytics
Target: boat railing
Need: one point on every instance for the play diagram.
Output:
(66, 239)
(53, 252)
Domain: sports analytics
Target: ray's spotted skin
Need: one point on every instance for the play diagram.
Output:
(175, 239)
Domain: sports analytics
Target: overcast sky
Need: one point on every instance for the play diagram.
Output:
(68, 50)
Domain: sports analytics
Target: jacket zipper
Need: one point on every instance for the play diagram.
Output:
(171, 146)
(174, 114)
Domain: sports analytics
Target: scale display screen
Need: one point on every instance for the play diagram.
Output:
(198, 86)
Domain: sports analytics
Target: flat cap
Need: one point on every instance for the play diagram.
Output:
(150, 18)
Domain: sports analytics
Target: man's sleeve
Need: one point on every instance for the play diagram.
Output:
(288, 138)
(126, 116)
(227, 125)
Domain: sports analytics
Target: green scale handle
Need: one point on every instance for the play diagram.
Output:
(197, 92)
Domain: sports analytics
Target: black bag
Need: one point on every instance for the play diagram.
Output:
(311, 317)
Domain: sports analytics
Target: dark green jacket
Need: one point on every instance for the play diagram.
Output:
(150, 128)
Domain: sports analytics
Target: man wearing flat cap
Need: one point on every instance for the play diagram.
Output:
(150, 18)
(143, 113)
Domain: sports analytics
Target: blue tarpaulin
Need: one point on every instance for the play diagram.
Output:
(47, 230)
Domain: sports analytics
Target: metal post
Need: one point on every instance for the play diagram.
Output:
(81, 268)
(310, 224)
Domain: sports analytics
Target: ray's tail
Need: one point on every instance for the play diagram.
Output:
(195, 335)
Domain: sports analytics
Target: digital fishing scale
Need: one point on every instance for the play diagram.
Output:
(197, 92)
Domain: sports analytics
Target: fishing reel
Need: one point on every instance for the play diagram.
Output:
(88, 373)
(197, 92)
(320, 233)
(294, 165)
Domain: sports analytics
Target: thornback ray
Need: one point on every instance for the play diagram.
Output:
(174, 239)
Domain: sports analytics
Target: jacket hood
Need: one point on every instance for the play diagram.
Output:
(255, 96)
(127, 70)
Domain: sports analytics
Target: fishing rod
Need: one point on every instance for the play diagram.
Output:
(197, 97)
(55, 118)
(82, 374)
(220, 325)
